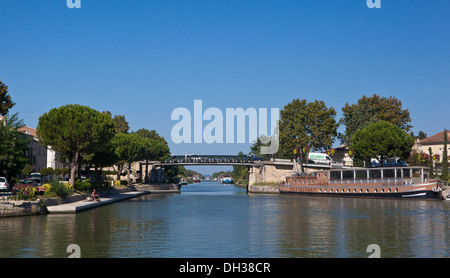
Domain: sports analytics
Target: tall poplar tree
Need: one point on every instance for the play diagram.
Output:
(444, 175)
(430, 162)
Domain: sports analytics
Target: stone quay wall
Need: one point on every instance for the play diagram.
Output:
(21, 208)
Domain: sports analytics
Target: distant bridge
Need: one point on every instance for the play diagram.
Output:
(232, 160)
(259, 171)
(235, 160)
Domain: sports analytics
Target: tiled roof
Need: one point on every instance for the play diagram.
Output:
(28, 130)
(435, 139)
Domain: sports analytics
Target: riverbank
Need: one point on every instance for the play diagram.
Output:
(78, 202)
(263, 189)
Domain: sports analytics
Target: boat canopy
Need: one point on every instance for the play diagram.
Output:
(416, 173)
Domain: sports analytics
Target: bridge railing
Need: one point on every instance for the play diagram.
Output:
(199, 159)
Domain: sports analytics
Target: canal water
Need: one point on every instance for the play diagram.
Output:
(222, 221)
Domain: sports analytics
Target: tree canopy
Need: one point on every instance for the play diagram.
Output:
(5, 100)
(13, 146)
(156, 147)
(372, 109)
(122, 125)
(129, 147)
(159, 148)
(306, 125)
(74, 130)
(382, 140)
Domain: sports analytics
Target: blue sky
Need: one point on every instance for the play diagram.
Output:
(143, 59)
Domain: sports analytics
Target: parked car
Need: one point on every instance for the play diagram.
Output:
(27, 183)
(4, 184)
(388, 163)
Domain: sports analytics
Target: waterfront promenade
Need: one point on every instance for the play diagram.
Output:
(80, 202)
(85, 205)
(138, 190)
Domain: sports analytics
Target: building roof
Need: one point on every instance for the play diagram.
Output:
(28, 130)
(435, 139)
(341, 148)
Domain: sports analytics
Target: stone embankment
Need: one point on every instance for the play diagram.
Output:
(77, 202)
(263, 189)
(20, 208)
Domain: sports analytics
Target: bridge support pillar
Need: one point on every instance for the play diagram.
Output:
(255, 175)
(157, 175)
(269, 173)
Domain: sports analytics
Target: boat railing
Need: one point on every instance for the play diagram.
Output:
(384, 181)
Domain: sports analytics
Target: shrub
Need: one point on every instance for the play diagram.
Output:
(48, 187)
(62, 189)
(33, 191)
(83, 186)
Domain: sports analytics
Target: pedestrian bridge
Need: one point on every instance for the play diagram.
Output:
(232, 160)
(274, 170)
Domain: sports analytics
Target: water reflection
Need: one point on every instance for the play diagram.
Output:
(211, 220)
(338, 227)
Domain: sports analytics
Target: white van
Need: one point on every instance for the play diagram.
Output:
(322, 158)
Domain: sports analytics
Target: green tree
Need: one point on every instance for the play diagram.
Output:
(430, 162)
(74, 130)
(5, 100)
(129, 147)
(57, 172)
(157, 148)
(255, 149)
(444, 174)
(240, 173)
(122, 125)
(27, 171)
(47, 172)
(13, 146)
(306, 125)
(370, 110)
(382, 140)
